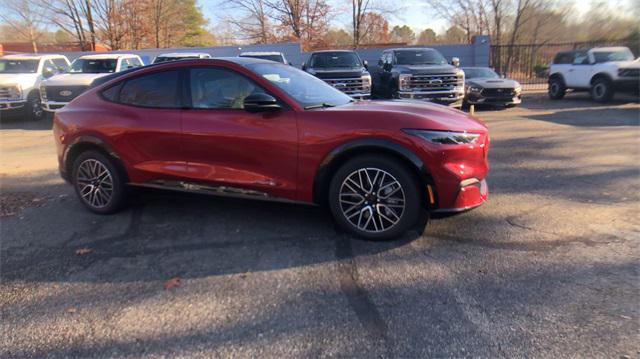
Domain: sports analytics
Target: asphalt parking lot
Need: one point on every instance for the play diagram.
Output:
(549, 267)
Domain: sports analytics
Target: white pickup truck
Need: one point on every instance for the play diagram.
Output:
(20, 78)
(601, 70)
(59, 90)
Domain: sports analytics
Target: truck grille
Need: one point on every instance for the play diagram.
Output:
(350, 86)
(5, 94)
(629, 72)
(64, 93)
(433, 82)
(499, 92)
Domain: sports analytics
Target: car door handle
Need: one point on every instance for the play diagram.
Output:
(570, 70)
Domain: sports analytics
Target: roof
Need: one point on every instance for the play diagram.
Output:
(338, 50)
(31, 56)
(411, 49)
(610, 48)
(260, 53)
(475, 67)
(183, 54)
(106, 56)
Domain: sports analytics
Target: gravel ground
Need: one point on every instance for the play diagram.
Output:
(549, 267)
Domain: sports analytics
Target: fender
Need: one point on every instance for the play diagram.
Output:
(338, 155)
(85, 140)
(600, 75)
(557, 74)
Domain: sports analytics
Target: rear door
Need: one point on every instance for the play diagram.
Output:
(224, 145)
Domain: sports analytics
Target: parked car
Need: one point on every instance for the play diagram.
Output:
(59, 90)
(174, 56)
(485, 87)
(419, 73)
(271, 55)
(602, 71)
(342, 69)
(258, 129)
(20, 78)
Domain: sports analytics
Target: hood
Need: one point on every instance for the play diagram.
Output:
(337, 72)
(493, 83)
(627, 64)
(416, 114)
(73, 79)
(425, 68)
(24, 80)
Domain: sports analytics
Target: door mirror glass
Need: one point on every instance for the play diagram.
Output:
(304, 67)
(261, 102)
(48, 72)
(387, 66)
(365, 63)
(455, 61)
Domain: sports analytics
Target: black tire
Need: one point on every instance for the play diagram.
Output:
(373, 206)
(81, 180)
(557, 90)
(33, 108)
(602, 90)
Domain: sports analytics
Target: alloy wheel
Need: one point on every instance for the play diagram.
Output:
(372, 200)
(95, 183)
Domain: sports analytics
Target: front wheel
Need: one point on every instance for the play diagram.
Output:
(557, 90)
(33, 108)
(375, 197)
(601, 90)
(98, 183)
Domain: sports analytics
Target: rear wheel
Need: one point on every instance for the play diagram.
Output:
(98, 183)
(375, 197)
(602, 90)
(33, 108)
(557, 90)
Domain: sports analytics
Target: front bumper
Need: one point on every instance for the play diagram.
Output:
(627, 84)
(450, 98)
(360, 96)
(7, 105)
(469, 196)
(52, 106)
(487, 100)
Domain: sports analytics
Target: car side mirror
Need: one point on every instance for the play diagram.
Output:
(290, 64)
(455, 61)
(365, 63)
(304, 67)
(48, 72)
(387, 66)
(261, 102)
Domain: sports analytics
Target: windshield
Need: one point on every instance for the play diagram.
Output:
(160, 59)
(619, 55)
(305, 89)
(276, 58)
(335, 59)
(419, 57)
(18, 66)
(94, 66)
(480, 73)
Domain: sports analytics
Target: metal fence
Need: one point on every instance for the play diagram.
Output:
(529, 63)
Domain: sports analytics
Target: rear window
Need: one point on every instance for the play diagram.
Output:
(158, 90)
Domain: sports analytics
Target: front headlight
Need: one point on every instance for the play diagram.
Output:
(518, 89)
(474, 89)
(43, 93)
(15, 92)
(445, 137)
(366, 81)
(404, 81)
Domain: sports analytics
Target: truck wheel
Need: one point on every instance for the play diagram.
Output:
(602, 90)
(33, 109)
(557, 90)
(375, 197)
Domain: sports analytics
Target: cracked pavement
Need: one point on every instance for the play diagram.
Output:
(549, 267)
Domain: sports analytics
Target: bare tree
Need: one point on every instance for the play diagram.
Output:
(22, 16)
(304, 20)
(253, 24)
(69, 16)
(110, 22)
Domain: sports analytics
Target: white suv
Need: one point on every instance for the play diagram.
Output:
(600, 70)
(59, 90)
(20, 78)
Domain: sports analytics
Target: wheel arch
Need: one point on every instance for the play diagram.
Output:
(557, 75)
(600, 75)
(341, 154)
(86, 143)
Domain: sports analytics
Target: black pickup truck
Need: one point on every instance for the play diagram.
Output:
(342, 69)
(418, 73)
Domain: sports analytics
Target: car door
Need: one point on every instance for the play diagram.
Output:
(224, 145)
(579, 72)
(146, 124)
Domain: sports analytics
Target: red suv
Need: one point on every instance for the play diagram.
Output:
(254, 128)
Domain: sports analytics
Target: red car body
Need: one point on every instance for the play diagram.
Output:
(286, 154)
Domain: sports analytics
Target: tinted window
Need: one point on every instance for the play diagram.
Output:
(112, 92)
(160, 89)
(419, 57)
(305, 89)
(563, 58)
(135, 62)
(18, 66)
(335, 59)
(61, 64)
(276, 58)
(580, 58)
(618, 55)
(220, 88)
(94, 66)
(479, 73)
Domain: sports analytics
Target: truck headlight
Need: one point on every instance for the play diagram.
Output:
(404, 81)
(474, 89)
(445, 137)
(43, 93)
(15, 92)
(366, 81)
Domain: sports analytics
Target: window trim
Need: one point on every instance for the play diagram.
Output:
(188, 101)
(180, 95)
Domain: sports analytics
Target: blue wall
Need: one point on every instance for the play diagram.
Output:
(475, 54)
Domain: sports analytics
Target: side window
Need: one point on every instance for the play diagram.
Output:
(381, 61)
(49, 63)
(135, 62)
(61, 64)
(220, 88)
(563, 58)
(580, 58)
(159, 89)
